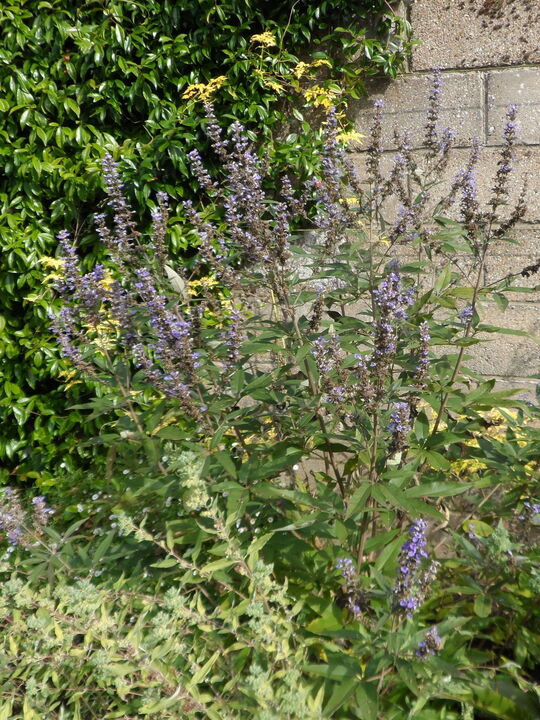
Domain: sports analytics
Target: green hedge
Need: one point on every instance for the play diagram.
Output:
(77, 81)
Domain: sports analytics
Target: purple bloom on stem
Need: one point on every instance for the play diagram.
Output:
(41, 511)
(327, 353)
(504, 169)
(413, 578)
(530, 512)
(423, 356)
(466, 315)
(354, 596)
(430, 645)
(400, 425)
(375, 149)
(71, 273)
(431, 140)
(234, 336)
(348, 571)
(391, 301)
(21, 527)
(160, 219)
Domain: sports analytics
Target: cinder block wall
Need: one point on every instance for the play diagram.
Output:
(489, 54)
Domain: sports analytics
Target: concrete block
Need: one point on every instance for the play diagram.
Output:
(475, 33)
(527, 245)
(499, 267)
(406, 103)
(509, 355)
(519, 86)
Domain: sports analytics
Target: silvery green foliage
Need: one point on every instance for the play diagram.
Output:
(125, 648)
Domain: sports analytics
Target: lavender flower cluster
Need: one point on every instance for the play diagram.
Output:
(530, 512)
(133, 315)
(415, 574)
(364, 384)
(400, 425)
(351, 586)
(423, 363)
(410, 180)
(258, 231)
(20, 526)
(334, 215)
(466, 315)
(430, 645)
(391, 301)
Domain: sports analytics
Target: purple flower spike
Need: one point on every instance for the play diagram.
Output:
(391, 300)
(351, 588)
(466, 315)
(413, 577)
(430, 645)
(400, 426)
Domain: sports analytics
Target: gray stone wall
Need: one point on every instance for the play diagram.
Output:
(489, 54)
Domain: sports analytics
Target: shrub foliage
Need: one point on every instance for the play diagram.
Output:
(79, 80)
(314, 507)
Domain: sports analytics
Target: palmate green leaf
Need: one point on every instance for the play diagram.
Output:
(330, 620)
(502, 700)
(268, 490)
(442, 489)
(396, 498)
(282, 456)
(258, 544)
(367, 699)
(217, 565)
(341, 693)
(264, 380)
(358, 500)
(257, 348)
(171, 433)
(505, 331)
(482, 606)
(388, 554)
(202, 673)
(159, 705)
(434, 459)
(225, 460)
(443, 279)
(501, 300)
(237, 381)
(408, 675)
(421, 426)
(165, 564)
(339, 667)
(380, 540)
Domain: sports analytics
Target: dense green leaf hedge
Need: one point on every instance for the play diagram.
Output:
(80, 79)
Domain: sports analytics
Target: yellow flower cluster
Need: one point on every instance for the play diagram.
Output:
(203, 92)
(302, 68)
(201, 284)
(268, 81)
(268, 435)
(351, 136)
(266, 39)
(57, 267)
(320, 96)
(70, 377)
(219, 311)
